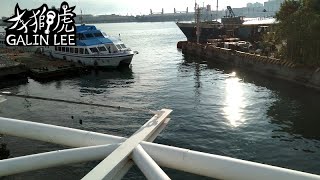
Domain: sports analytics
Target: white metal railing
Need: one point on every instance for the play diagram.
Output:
(119, 153)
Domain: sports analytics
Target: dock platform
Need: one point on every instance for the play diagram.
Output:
(37, 66)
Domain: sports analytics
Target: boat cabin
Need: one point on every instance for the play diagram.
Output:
(90, 40)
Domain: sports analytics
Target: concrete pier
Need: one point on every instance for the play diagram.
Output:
(282, 69)
(10, 68)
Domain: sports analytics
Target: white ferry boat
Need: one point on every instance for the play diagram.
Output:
(93, 48)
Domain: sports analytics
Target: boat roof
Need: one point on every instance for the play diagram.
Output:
(94, 41)
(84, 28)
(91, 29)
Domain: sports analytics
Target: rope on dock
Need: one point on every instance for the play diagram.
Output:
(79, 103)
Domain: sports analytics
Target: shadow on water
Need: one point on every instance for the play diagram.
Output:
(197, 83)
(195, 66)
(295, 109)
(99, 81)
(9, 82)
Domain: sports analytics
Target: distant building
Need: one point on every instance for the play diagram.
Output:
(257, 9)
(251, 12)
(252, 5)
(273, 5)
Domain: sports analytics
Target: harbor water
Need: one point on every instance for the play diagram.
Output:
(216, 109)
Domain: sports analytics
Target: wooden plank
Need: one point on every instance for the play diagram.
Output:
(105, 169)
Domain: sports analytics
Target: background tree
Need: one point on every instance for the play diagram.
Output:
(298, 31)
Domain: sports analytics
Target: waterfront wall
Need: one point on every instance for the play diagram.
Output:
(263, 65)
(15, 70)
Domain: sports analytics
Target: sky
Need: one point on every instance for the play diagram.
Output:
(122, 7)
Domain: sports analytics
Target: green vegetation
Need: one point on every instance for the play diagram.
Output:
(298, 32)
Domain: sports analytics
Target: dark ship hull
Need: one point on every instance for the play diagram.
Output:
(228, 27)
(208, 31)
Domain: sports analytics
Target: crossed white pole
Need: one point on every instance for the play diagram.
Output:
(118, 154)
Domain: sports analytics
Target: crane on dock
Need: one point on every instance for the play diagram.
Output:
(230, 12)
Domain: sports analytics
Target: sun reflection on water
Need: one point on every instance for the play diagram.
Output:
(234, 101)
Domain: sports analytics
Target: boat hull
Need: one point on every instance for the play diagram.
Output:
(113, 61)
(208, 31)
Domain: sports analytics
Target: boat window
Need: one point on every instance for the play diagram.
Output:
(76, 50)
(118, 46)
(99, 34)
(63, 49)
(89, 35)
(86, 51)
(81, 51)
(67, 49)
(94, 50)
(71, 50)
(102, 48)
(59, 48)
(81, 36)
(109, 49)
(123, 46)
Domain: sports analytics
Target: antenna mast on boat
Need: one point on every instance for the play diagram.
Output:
(195, 11)
(81, 18)
(217, 9)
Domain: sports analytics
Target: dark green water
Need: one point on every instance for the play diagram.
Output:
(216, 109)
